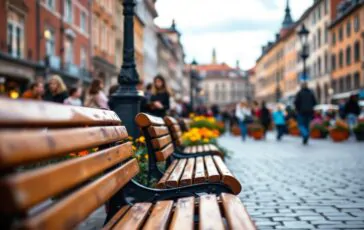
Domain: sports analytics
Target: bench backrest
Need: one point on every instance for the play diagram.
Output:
(34, 132)
(175, 129)
(156, 135)
(185, 124)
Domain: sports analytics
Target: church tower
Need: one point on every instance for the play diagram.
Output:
(287, 21)
(214, 59)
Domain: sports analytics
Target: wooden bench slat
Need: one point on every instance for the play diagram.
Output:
(235, 213)
(210, 216)
(199, 149)
(226, 176)
(170, 120)
(179, 141)
(156, 131)
(187, 149)
(26, 113)
(212, 172)
(175, 128)
(145, 120)
(206, 148)
(194, 149)
(160, 142)
(176, 135)
(135, 217)
(73, 209)
(162, 181)
(164, 153)
(159, 218)
(38, 185)
(187, 176)
(199, 176)
(45, 144)
(183, 214)
(115, 219)
(173, 179)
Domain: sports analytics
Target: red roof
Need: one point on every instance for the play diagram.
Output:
(214, 67)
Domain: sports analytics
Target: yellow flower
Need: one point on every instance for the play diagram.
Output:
(133, 148)
(146, 156)
(205, 140)
(130, 138)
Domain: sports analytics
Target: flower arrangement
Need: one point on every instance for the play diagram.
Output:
(340, 131)
(197, 136)
(293, 127)
(359, 130)
(206, 122)
(318, 129)
(256, 130)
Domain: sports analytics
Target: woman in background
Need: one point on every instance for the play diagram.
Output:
(74, 98)
(57, 90)
(160, 97)
(95, 97)
(244, 116)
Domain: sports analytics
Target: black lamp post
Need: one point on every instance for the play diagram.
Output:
(303, 34)
(126, 100)
(193, 75)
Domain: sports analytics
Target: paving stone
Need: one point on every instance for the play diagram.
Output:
(317, 217)
(284, 218)
(297, 224)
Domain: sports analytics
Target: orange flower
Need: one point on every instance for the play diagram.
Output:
(82, 153)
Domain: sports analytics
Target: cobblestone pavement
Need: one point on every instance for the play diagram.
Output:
(290, 186)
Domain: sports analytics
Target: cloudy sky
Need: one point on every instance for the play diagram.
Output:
(236, 28)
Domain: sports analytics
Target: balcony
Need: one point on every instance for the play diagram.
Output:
(71, 69)
(54, 62)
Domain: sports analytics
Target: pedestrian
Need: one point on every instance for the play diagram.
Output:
(160, 99)
(216, 112)
(352, 110)
(35, 91)
(342, 109)
(256, 110)
(95, 97)
(279, 121)
(74, 97)
(244, 116)
(57, 90)
(265, 117)
(305, 102)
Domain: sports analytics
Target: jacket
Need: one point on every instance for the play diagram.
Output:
(305, 102)
(163, 98)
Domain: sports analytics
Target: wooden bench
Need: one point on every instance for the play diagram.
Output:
(182, 170)
(63, 194)
(175, 129)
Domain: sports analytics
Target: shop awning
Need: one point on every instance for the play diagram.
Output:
(344, 95)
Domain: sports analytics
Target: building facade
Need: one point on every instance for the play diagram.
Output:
(119, 38)
(42, 38)
(347, 49)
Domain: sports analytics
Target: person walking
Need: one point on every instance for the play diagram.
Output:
(352, 110)
(244, 116)
(305, 102)
(57, 90)
(95, 97)
(75, 97)
(279, 121)
(265, 117)
(35, 91)
(159, 100)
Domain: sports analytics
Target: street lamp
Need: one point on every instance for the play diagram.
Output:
(303, 35)
(126, 100)
(193, 76)
(47, 36)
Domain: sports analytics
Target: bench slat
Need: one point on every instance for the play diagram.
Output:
(179, 141)
(160, 142)
(199, 176)
(235, 213)
(177, 135)
(212, 173)
(226, 176)
(199, 149)
(26, 113)
(187, 176)
(164, 153)
(156, 131)
(45, 144)
(145, 120)
(115, 219)
(162, 181)
(38, 185)
(175, 128)
(210, 216)
(159, 217)
(73, 209)
(187, 149)
(170, 120)
(173, 179)
(183, 214)
(135, 217)
(206, 148)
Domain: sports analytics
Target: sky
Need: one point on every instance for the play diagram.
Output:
(237, 29)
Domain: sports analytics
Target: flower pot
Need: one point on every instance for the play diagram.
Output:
(235, 130)
(294, 132)
(317, 134)
(359, 136)
(339, 136)
(257, 134)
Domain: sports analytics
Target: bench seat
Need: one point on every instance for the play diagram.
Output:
(223, 212)
(202, 148)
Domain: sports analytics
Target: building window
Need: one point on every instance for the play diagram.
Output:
(50, 4)
(95, 31)
(83, 58)
(49, 42)
(326, 60)
(341, 59)
(68, 12)
(356, 23)
(334, 86)
(348, 55)
(83, 21)
(319, 12)
(326, 32)
(348, 83)
(326, 6)
(15, 35)
(68, 47)
(341, 85)
(348, 29)
(319, 67)
(357, 80)
(341, 33)
(217, 92)
(103, 35)
(357, 51)
(333, 62)
(333, 38)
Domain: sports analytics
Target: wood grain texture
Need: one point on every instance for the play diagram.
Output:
(29, 113)
(116, 218)
(226, 176)
(177, 135)
(73, 209)
(211, 170)
(183, 214)
(158, 131)
(174, 177)
(210, 216)
(45, 144)
(135, 217)
(164, 153)
(162, 181)
(199, 176)
(145, 120)
(160, 142)
(38, 185)
(175, 128)
(170, 120)
(187, 176)
(159, 218)
(235, 213)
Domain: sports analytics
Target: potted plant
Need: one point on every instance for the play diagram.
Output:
(359, 130)
(318, 129)
(340, 131)
(256, 130)
(293, 127)
(235, 130)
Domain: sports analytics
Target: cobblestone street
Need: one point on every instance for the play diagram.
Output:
(290, 186)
